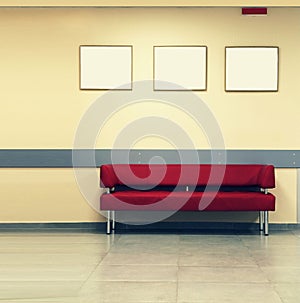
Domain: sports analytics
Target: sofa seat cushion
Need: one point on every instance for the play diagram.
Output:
(188, 201)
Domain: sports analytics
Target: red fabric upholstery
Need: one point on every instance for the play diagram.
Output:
(188, 201)
(188, 174)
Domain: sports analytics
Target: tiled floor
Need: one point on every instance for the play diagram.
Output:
(95, 268)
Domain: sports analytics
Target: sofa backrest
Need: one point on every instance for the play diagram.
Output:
(259, 175)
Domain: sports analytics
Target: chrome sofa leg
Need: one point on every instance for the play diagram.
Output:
(113, 220)
(261, 220)
(266, 223)
(108, 223)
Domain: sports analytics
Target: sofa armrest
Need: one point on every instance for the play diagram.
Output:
(266, 177)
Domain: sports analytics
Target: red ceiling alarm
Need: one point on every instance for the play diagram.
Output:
(255, 11)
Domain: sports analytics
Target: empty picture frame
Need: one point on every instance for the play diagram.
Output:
(180, 67)
(105, 67)
(251, 69)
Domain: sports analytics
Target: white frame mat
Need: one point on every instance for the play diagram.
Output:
(250, 69)
(180, 67)
(105, 67)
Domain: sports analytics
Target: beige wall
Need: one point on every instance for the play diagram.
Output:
(147, 3)
(40, 97)
(52, 195)
(41, 103)
(42, 195)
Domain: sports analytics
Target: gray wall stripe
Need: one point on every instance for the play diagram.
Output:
(298, 195)
(63, 157)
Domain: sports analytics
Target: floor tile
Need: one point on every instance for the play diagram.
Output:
(222, 274)
(282, 273)
(141, 273)
(136, 238)
(131, 291)
(296, 232)
(276, 260)
(140, 258)
(49, 300)
(57, 238)
(276, 250)
(48, 248)
(210, 239)
(264, 242)
(219, 292)
(55, 259)
(289, 292)
(94, 268)
(145, 247)
(52, 272)
(215, 259)
(196, 248)
(36, 289)
(149, 244)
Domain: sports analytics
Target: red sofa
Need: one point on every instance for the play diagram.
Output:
(187, 187)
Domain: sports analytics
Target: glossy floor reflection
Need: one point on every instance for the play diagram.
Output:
(94, 268)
